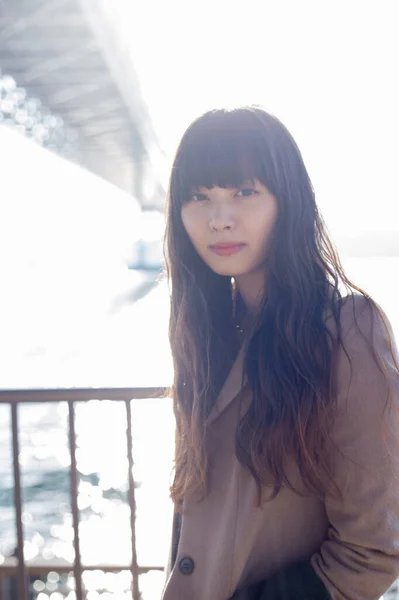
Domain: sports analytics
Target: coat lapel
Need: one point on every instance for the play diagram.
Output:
(231, 389)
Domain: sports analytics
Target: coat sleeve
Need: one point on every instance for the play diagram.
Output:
(359, 560)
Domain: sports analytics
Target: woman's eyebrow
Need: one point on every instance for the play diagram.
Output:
(243, 182)
(197, 188)
(249, 181)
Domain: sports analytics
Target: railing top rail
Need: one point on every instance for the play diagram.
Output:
(80, 394)
(10, 566)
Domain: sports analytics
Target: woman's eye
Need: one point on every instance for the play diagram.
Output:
(247, 190)
(198, 197)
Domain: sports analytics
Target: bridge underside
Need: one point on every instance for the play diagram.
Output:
(67, 54)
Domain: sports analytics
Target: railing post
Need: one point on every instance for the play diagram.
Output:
(77, 569)
(22, 575)
(132, 503)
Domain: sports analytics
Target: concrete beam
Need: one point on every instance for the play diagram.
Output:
(68, 93)
(104, 22)
(24, 63)
(54, 63)
(24, 19)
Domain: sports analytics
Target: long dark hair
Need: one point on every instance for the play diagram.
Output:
(289, 350)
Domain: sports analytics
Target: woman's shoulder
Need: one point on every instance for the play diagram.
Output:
(367, 354)
(360, 317)
(367, 362)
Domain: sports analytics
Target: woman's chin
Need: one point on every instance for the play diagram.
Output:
(227, 271)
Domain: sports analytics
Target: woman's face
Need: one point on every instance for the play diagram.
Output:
(245, 215)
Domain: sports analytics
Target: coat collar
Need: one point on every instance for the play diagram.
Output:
(231, 389)
(221, 406)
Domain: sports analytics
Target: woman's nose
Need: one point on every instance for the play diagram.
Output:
(221, 218)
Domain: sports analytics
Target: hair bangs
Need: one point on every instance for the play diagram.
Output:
(222, 156)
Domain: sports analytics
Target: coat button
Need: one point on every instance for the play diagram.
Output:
(186, 565)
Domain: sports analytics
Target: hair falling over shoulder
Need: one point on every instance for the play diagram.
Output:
(290, 353)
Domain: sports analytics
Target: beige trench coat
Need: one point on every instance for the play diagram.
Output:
(227, 542)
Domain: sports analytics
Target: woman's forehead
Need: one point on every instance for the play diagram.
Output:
(214, 171)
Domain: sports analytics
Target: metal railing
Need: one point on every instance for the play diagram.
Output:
(19, 569)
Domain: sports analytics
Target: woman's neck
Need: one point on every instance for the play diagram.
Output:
(251, 287)
(241, 314)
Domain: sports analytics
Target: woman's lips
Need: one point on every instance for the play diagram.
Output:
(227, 250)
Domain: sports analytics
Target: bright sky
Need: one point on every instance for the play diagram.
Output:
(328, 70)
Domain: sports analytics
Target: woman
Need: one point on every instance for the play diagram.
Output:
(286, 390)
